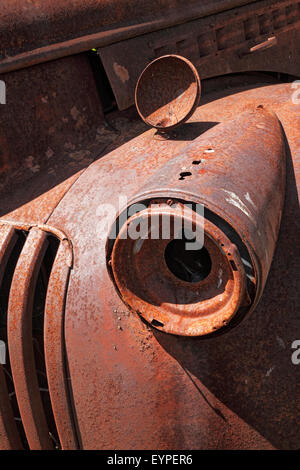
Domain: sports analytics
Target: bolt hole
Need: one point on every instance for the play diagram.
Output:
(196, 162)
(184, 174)
(157, 323)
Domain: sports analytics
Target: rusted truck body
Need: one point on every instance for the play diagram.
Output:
(88, 364)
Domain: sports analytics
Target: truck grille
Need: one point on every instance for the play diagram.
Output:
(35, 405)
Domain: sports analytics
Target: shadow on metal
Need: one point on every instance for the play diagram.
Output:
(244, 369)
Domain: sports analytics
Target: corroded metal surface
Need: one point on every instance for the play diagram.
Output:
(43, 408)
(45, 187)
(231, 171)
(75, 26)
(117, 382)
(229, 42)
(46, 128)
(172, 304)
(129, 381)
(167, 92)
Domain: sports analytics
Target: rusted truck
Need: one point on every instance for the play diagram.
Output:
(112, 342)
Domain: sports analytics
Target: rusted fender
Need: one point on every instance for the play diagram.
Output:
(237, 172)
(136, 387)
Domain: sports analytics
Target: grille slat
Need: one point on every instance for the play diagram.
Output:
(35, 392)
(54, 346)
(9, 435)
(20, 343)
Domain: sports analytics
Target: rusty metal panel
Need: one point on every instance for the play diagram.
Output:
(225, 392)
(75, 26)
(47, 129)
(36, 202)
(9, 436)
(218, 45)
